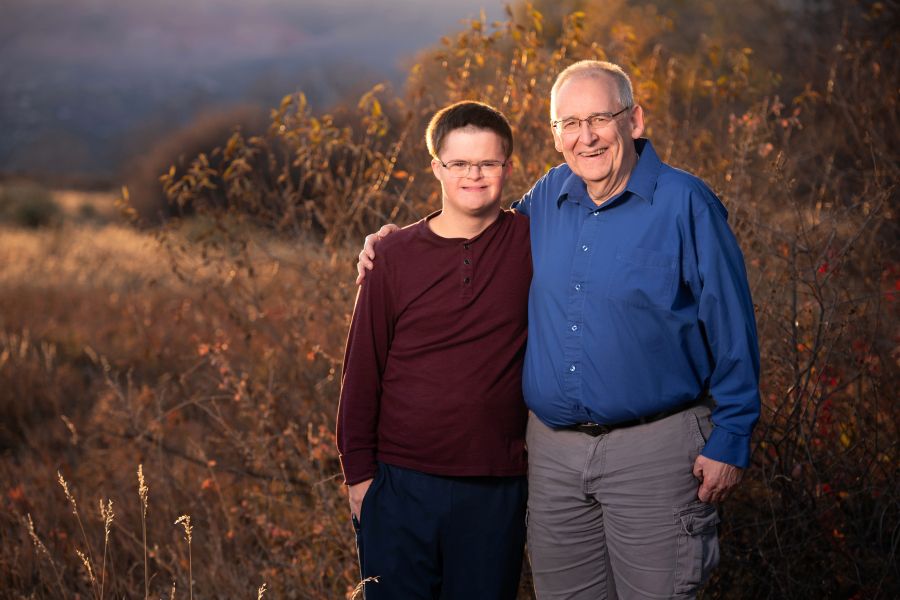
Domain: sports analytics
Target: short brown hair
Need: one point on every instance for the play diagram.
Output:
(463, 115)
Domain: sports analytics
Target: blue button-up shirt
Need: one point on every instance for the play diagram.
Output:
(639, 305)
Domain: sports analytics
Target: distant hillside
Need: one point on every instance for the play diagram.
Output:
(84, 86)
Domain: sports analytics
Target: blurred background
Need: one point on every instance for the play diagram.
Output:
(89, 85)
(184, 187)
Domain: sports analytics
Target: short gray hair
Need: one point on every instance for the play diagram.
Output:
(594, 69)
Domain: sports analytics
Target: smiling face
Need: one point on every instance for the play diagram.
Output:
(603, 158)
(474, 195)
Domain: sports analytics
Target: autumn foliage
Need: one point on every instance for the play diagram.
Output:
(216, 366)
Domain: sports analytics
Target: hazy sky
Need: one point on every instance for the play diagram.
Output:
(79, 76)
(205, 32)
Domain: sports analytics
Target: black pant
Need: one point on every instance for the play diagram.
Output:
(450, 538)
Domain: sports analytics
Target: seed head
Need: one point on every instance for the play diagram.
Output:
(185, 521)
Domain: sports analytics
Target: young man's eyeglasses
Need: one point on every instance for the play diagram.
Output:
(461, 168)
(596, 122)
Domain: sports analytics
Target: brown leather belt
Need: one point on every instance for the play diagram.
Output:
(595, 429)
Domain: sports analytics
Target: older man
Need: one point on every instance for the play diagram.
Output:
(639, 312)
(642, 366)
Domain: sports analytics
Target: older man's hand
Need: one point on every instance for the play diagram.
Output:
(716, 478)
(367, 254)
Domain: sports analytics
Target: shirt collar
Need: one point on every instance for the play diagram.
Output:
(641, 183)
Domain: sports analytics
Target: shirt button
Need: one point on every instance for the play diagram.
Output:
(574, 327)
(467, 261)
(466, 280)
(577, 287)
(571, 368)
(466, 246)
(584, 248)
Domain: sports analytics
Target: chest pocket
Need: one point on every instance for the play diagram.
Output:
(642, 278)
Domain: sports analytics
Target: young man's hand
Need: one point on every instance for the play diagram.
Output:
(716, 478)
(367, 255)
(357, 492)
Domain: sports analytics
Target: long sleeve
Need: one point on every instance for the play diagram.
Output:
(726, 314)
(368, 343)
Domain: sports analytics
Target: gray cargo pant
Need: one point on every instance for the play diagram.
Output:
(617, 516)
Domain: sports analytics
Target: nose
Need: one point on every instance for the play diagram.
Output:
(472, 172)
(586, 135)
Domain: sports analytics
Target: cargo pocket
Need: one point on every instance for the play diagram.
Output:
(698, 546)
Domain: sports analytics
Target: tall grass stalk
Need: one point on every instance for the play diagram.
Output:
(106, 513)
(88, 569)
(39, 545)
(88, 560)
(144, 494)
(185, 521)
(359, 591)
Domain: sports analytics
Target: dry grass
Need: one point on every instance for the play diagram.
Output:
(85, 206)
(126, 364)
(112, 257)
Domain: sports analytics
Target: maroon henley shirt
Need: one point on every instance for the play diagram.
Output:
(432, 376)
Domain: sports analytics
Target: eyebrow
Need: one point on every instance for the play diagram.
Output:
(473, 162)
(601, 113)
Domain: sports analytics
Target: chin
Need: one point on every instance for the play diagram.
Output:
(595, 175)
(483, 209)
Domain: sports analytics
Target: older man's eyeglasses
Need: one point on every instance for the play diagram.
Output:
(596, 122)
(461, 168)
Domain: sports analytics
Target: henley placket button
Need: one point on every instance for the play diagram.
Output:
(571, 368)
(467, 261)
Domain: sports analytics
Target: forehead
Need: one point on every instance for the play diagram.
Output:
(472, 144)
(587, 94)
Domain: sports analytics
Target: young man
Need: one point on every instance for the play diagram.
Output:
(431, 423)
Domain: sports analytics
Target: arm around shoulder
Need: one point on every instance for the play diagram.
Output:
(366, 260)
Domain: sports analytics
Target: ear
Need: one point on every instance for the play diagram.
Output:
(436, 168)
(557, 139)
(508, 168)
(636, 121)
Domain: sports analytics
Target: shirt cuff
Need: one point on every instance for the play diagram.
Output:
(727, 447)
(358, 466)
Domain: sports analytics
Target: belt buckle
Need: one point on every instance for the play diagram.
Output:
(593, 429)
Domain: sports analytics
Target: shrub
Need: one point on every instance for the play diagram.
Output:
(26, 204)
(176, 149)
